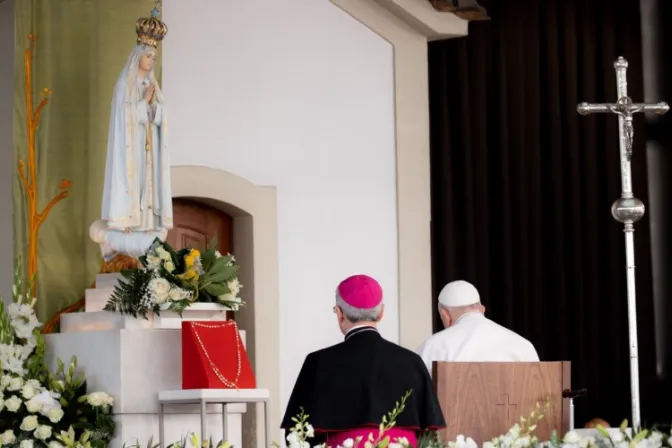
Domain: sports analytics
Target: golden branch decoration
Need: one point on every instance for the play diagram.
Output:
(29, 180)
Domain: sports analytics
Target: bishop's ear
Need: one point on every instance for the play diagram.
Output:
(382, 313)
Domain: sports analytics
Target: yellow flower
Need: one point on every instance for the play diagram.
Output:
(195, 253)
(189, 260)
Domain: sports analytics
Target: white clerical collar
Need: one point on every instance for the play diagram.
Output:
(470, 313)
(357, 329)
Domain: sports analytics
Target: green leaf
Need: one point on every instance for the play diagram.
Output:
(624, 425)
(219, 274)
(638, 438)
(217, 289)
(603, 432)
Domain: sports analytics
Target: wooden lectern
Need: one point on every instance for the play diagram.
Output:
(483, 400)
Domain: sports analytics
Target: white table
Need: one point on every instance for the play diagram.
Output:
(214, 396)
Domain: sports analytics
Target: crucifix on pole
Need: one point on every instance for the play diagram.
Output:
(627, 209)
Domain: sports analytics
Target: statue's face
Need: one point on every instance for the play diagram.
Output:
(147, 61)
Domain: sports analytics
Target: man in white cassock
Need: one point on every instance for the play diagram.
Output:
(469, 336)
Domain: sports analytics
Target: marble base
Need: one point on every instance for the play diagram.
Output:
(99, 320)
(106, 320)
(133, 365)
(138, 428)
(107, 281)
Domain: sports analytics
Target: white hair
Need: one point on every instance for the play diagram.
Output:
(355, 315)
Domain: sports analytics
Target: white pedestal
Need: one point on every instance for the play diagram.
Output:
(133, 365)
(98, 320)
(203, 397)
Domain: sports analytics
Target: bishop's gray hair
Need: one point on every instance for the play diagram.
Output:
(356, 315)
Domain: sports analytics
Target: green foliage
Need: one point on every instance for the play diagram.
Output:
(173, 280)
(125, 296)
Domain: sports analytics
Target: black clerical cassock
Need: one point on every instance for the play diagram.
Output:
(355, 383)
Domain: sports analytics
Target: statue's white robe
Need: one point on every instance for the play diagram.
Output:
(475, 338)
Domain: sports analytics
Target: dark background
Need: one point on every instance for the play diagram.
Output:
(522, 187)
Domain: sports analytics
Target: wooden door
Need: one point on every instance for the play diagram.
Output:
(194, 226)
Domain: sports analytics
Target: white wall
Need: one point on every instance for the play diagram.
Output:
(7, 167)
(298, 95)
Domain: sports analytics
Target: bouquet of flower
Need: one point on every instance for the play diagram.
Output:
(172, 280)
(521, 435)
(37, 406)
(302, 431)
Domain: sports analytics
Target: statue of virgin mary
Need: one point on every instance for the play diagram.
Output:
(137, 201)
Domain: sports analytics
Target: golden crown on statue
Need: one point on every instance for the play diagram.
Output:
(151, 30)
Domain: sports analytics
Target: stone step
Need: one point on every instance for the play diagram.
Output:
(95, 319)
(107, 281)
(96, 299)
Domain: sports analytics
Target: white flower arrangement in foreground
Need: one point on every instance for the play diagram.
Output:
(38, 407)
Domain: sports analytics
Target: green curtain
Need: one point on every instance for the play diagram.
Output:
(80, 48)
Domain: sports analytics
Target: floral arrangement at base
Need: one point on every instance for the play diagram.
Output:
(190, 441)
(173, 280)
(38, 407)
(521, 435)
(302, 431)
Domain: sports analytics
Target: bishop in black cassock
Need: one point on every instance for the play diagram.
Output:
(346, 389)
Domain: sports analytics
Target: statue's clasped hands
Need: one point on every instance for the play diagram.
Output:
(149, 93)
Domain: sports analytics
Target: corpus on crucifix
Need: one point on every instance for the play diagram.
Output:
(627, 209)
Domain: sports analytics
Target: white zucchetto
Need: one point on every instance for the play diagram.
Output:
(459, 293)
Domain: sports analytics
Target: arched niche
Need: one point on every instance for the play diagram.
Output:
(255, 239)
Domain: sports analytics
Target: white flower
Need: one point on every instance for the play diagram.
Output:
(160, 288)
(153, 261)
(28, 391)
(177, 294)
(523, 442)
(13, 403)
(55, 444)
(16, 310)
(4, 381)
(7, 437)
(99, 399)
(26, 444)
(348, 443)
(572, 438)
(616, 437)
(34, 405)
(35, 384)
(229, 298)
(218, 254)
(403, 441)
(234, 286)
(15, 383)
(55, 415)
(163, 253)
(29, 423)
(169, 266)
(488, 445)
(42, 432)
(462, 442)
(587, 442)
(310, 431)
